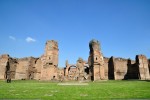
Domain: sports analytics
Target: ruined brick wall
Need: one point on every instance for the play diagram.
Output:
(97, 68)
(111, 68)
(60, 74)
(117, 68)
(72, 72)
(50, 61)
(142, 63)
(132, 70)
(32, 70)
(120, 68)
(22, 69)
(3, 63)
(44, 68)
(149, 65)
(66, 69)
(25, 68)
(80, 72)
(38, 66)
(12, 67)
(106, 63)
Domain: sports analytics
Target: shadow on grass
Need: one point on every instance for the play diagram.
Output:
(135, 80)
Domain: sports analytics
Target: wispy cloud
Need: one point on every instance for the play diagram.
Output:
(12, 38)
(29, 39)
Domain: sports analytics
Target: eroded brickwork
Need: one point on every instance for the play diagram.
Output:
(132, 70)
(96, 61)
(142, 63)
(38, 66)
(149, 65)
(106, 63)
(50, 61)
(3, 64)
(120, 68)
(96, 68)
(25, 68)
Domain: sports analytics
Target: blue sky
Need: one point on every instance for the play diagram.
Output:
(121, 26)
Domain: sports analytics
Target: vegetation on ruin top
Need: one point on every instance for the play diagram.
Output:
(39, 90)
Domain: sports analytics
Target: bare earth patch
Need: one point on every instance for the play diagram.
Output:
(83, 95)
(48, 95)
(72, 84)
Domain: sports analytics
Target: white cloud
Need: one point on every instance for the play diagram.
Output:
(29, 39)
(12, 38)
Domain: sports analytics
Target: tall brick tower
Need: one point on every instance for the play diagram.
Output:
(50, 61)
(96, 61)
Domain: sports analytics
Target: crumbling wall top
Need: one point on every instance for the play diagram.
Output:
(4, 56)
(121, 59)
(26, 58)
(94, 45)
(52, 41)
(94, 41)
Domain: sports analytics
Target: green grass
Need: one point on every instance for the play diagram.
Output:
(95, 90)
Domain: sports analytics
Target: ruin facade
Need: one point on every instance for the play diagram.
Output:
(96, 61)
(49, 61)
(97, 67)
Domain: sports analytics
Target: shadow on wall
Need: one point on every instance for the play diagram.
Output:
(7, 72)
(132, 70)
(149, 65)
(111, 69)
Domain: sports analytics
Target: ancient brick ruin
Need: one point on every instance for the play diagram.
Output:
(96, 61)
(49, 61)
(97, 67)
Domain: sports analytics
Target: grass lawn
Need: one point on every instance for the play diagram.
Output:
(24, 89)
